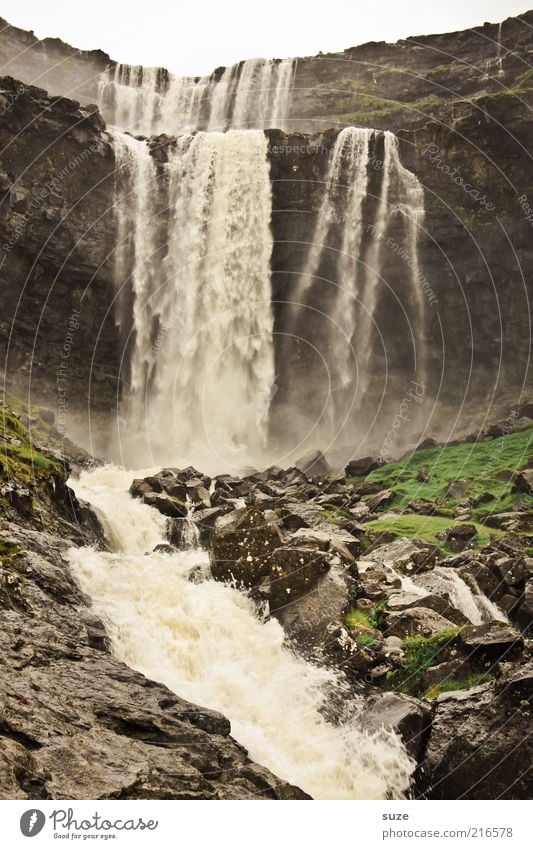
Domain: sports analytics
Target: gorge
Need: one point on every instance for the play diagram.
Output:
(293, 295)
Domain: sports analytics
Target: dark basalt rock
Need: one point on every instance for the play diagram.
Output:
(480, 746)
(492, 640)
(460, 536)
(409, 717)
(241, 544)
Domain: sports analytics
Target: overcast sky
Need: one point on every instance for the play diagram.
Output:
(196, 36)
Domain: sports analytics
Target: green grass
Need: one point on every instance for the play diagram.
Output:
(414, 526)
(22, 461)
(332, 514)
(372, 108)
(371, 619)
(478, 462)
(364, 639)
(473, 680)
(420, 654)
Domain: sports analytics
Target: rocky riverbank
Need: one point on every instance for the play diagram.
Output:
(426, 610)
(74, 721)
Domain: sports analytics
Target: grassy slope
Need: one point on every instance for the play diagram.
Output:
(20, 460)
(479, 463)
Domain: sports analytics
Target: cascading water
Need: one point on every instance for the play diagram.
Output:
(205, 642)
(202, 360)
(150, 101)
(349, 239)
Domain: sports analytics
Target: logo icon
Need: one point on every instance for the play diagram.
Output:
(32, 822)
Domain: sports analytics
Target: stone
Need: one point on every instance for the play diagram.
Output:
(492, 640)
(142, 486)
(362, 467)
(339, 542)
(294, 572)
(415, 622)
(480, 746)
(314, 465)
(523, 482)
(381, 499)
(410, 718)
(166, 504)
(241, 545)
(459, 537)
(457, 488)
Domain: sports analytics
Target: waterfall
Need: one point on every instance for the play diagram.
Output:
(348, 251)
(202, 361)
(205, 642)
(150, 101)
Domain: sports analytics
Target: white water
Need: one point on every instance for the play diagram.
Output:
(205, 642)
(357, 262)
(149, 101)
(202, 359)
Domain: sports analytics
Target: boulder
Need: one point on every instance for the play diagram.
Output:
(314, 465)
(403, 555)
(492, 641)
(306, 620)
(457, 488)
(380, 499)
(415, 622)
(524, 482)
(166, 504)
(362, 467)
(339, 542)
(241, 545)
(459, 537)
(480, 745)
(205, 521)
(410, 718)
(294, 572)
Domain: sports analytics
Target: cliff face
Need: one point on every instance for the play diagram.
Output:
(56, 231)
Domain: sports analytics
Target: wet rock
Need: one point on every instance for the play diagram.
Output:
(241, 545)
(142, 486)
(205, 521)
(362, 467)
(403, 555)
(314, 464)
(480, 746)
(492, 640)
(416, 621)
(410, 718)
(294, 571)
(524, 482)
(166, 504)
(459, 537)
(306, 620)
(422, 506)
(339, 542)
(381, 499)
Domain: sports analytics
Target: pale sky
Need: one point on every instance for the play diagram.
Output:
(196, 36)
